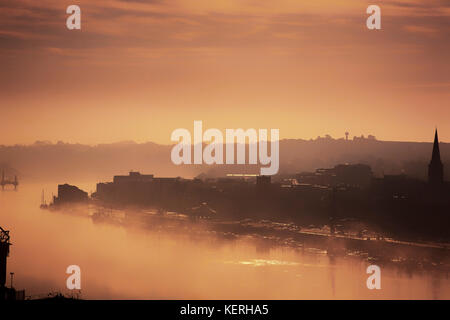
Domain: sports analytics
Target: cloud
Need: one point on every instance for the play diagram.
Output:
(421, 29)
(231, 23)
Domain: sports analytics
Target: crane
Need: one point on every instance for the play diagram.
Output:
(5, 182)
(4, 252)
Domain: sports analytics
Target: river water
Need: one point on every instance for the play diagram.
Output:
(123, 263)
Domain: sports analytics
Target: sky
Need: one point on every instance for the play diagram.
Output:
(137, 70)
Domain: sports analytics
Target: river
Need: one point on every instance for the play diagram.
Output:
(123, 263)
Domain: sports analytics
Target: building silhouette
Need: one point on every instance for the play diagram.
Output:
(356, 175)
(70, 194)
(436, 168)
(398, 204)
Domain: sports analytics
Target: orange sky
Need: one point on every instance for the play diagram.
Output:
(140, 69)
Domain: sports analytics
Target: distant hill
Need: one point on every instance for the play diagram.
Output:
(66, 162)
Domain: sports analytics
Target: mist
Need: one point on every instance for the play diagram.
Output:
(137, 263)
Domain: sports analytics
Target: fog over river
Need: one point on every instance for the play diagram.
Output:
(126, 263)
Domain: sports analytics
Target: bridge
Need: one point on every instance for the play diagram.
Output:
(5, 182)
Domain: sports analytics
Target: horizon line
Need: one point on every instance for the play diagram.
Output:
(133, 142)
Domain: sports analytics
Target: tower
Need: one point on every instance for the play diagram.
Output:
(435, 168)
(4, 251)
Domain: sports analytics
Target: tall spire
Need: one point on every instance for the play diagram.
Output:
(435, 168)
(436, 153)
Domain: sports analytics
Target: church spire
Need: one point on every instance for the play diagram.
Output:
(436, 156)
(435, 168)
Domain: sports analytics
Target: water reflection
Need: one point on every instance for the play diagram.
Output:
(263, 263)
(128, 263)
